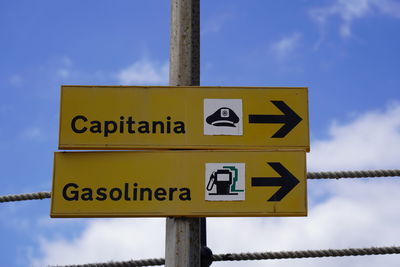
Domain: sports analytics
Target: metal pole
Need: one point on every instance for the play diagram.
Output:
(182, 244)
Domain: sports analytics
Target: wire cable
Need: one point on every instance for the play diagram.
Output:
(255, 256)
(33, 196)
(131, 263)
(353, 174)
(259, 256)
(310, 175)
(307, 254)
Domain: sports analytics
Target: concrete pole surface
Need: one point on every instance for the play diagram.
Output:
(182, 241)
(184, 59)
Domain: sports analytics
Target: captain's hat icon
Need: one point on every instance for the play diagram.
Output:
(223, 117)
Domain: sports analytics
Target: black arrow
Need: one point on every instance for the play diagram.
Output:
(289, 119)
(287, 181)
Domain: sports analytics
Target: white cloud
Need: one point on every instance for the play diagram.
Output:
(371, 140)
(285, 47)
(350, 10)
(354, 216)
(144, 72)
(342, 214)
(13, 219)
(104, 240)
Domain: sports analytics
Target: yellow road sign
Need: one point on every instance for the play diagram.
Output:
(129, 117)
(179, 183)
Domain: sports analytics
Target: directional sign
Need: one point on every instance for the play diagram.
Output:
(179, 183)
(129, 117)
(289, 119)
(286, 181)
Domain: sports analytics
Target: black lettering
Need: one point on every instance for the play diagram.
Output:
(107, 129)
(161, 124)
(121, 124)
(119, 193)
(73, 194)
(110, 126)
(184, 194)
(179, 127)
(135, 191)
(143, 127)
(168, 124)
(144, 190)
(96, 127)
(73, 124)
(87, 194)
(171, 192)
(126, 192)
(130, 123)
(160, 193)
(101, 193)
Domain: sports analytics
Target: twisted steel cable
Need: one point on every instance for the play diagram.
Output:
(260, 256)
(131, 263)
(307, 254)
(255, 256)
(353, 174)
(310, 175)
(33, 196)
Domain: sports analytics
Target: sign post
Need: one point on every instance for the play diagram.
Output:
(182, 240)
(241, 149)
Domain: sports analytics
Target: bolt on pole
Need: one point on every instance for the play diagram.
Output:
(182, 242)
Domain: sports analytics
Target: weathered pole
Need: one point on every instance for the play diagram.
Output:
(184, 59)
(182, 243)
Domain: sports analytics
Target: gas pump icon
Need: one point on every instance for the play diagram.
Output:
(222, 180)
(225, 182)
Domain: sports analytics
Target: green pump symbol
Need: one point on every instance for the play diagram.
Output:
(225, 180)
(235, 178)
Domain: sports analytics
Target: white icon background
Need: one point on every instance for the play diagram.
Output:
(235, 193)
(223, 105)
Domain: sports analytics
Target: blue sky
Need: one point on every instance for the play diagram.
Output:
(345, 51)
